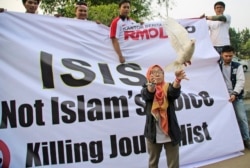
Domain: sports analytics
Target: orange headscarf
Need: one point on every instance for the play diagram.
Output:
(160, 102)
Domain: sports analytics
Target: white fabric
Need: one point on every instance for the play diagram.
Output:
(160, 136)
(219, 31)
(62, 87)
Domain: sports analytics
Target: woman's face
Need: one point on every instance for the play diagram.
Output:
(156, 75)
(31, 6)
(82, 12)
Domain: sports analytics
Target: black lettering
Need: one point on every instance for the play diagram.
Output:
(113, 143)
(53, 153)
(96, 151)
(196, 102)
(60, 147)
(55, 110)
(179, 103)
(199, 136)
(81, 149)
(69, 151)
(186, 100)
(139, 147)
(122, 68)
(95, 113)
(33, 155)
(190, 29)
(125, 146)
(115, 103)
(25, 115)
(8, 114)
(208, 101)
(72, 64)
(39, 112)
(71, 115)
(46, 70)
(140, 103)
(81, 109)
(106, 74)
(206, 132)
(45, 153)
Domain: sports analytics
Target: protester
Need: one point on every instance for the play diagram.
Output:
(31, 6)
(219, 26)
(81, 11)
(161, 127)
(116, 27)
(235, 80)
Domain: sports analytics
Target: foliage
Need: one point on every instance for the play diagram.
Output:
(234, 39)
(101, 10)
(240, 40)
(100, 13)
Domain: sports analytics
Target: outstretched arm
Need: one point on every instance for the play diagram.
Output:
(179, 75)
(222, 18)
(217, 18)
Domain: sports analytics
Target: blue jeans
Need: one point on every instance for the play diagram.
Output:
(241, 116)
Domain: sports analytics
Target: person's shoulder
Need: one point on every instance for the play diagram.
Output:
(233, 63)
(228, 17)
(131, 20)
(116, 19)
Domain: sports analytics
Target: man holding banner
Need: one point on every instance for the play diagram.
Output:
(234, 77)
(117, 25)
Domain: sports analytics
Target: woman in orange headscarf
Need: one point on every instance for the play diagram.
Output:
(162, 128)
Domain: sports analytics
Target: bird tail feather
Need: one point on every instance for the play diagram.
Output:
(174, 66)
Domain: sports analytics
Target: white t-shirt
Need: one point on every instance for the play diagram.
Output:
(117, 27)
(117, 30)
(160, 136)
(219, 31)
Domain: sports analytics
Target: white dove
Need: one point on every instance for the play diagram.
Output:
(180, 41)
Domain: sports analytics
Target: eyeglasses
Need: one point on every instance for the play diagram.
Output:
(156, 72)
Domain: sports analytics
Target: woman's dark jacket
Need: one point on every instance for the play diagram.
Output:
(150, 126)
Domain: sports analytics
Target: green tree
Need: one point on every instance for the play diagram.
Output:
(235, 39)
(245, 49)
(240, 40)
(102, 10)
(245, 35)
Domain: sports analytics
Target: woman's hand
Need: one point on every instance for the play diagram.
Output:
(180, 74)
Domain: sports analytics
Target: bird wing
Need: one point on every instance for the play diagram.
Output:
(177, 34)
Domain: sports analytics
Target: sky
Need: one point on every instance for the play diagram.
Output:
(181, 9)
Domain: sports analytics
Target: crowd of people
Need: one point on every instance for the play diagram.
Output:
(161, 126)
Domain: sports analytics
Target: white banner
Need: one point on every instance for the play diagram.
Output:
(66, 101)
